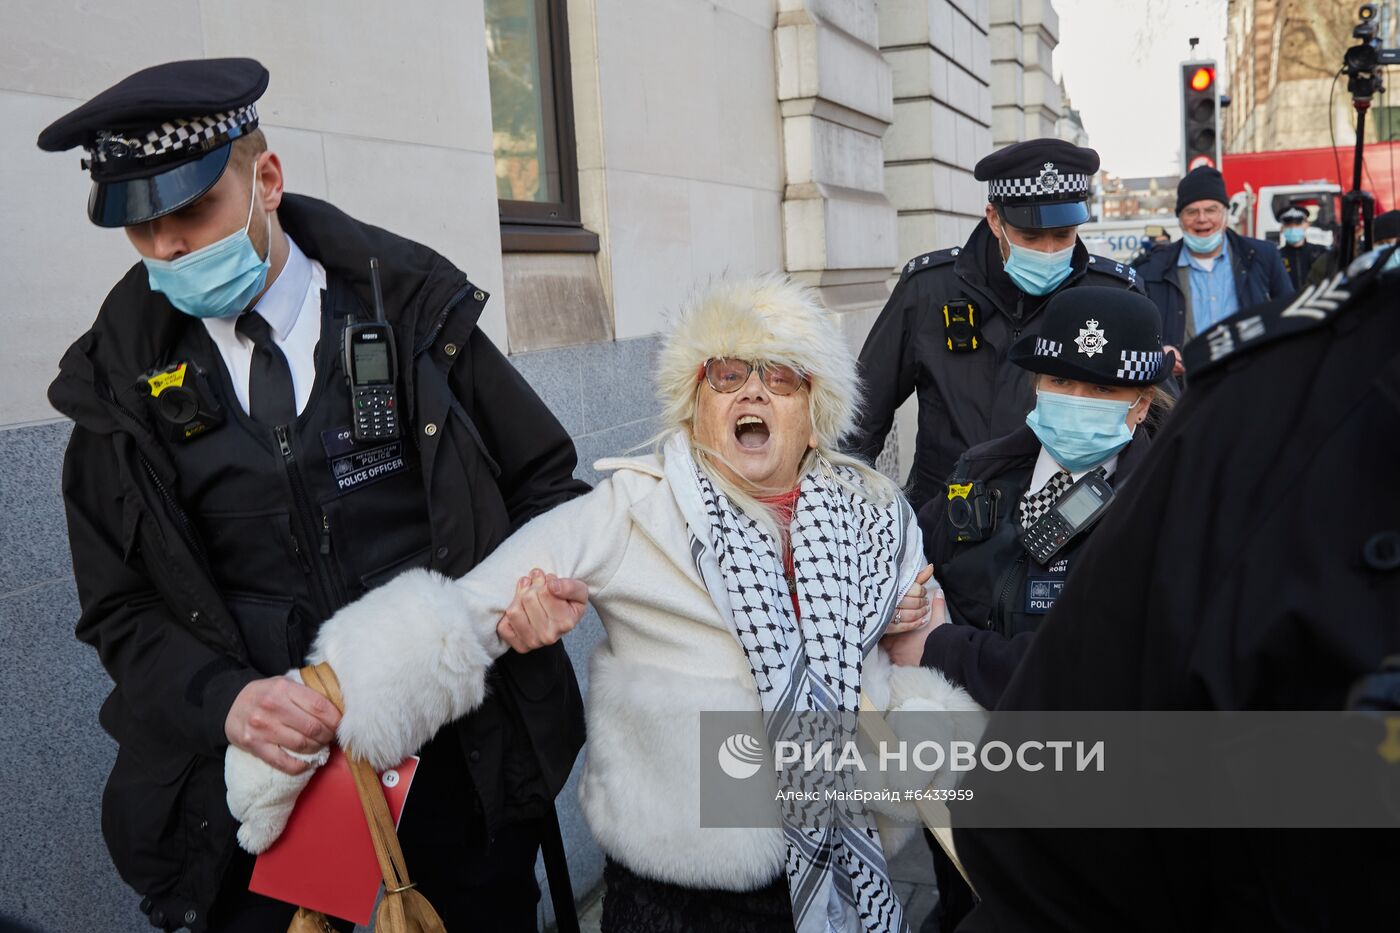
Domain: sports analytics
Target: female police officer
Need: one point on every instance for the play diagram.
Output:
(1098, 361)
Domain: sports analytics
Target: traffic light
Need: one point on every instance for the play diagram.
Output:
(1199, 116)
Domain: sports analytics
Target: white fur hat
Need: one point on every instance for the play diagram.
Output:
(762, 318)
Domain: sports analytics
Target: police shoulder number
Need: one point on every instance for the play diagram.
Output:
(939, 257)
(1106, 266)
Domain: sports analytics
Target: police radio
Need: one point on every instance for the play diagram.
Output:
(1081, 505)
(371, 366)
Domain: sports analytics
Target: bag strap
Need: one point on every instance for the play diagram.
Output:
(392, 866)
(934, 813)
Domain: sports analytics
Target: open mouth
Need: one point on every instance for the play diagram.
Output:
(751, 432)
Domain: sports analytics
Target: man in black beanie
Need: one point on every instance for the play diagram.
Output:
(1212, 272)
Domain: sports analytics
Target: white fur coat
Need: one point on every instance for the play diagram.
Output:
(413, 655)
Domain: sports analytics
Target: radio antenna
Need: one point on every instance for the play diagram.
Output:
(378, 295)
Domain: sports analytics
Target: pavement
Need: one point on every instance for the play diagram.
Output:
(911, 871)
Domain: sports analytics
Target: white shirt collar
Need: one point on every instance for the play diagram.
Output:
(281, 304)
(1046, 467)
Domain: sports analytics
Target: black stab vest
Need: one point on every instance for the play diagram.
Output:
(297, 520)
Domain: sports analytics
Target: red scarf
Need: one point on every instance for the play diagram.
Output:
(782, 508)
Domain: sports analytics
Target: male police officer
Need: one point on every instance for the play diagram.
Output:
(1212, 272)
(1297, 253)
(950, 321)
(225, 496)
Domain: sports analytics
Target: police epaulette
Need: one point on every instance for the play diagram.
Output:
(1261, 325)
(1103, 264)
(938, 257)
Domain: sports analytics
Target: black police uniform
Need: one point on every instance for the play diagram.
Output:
(924, 341)
(208, 558)
(1286, 598)
(1298, 260)
(995, 590)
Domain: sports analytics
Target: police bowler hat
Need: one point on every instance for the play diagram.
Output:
(160, 138)
(1107, 336)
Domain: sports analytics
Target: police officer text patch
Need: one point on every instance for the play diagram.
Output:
(1041, 593)
(354, 465)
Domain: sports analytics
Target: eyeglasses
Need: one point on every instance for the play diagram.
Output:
(1214, 212)
(726, 374)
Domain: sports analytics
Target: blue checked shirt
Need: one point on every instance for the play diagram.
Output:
(1213, 295)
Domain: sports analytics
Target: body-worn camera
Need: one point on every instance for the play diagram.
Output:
(182, 401)
(960, 326)
(972, 511)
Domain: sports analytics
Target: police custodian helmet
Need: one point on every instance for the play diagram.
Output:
(1107, 336)
(160, 138)
(1039, 183)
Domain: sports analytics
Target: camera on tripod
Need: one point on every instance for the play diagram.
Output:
(1362, 59)
(1364, 81)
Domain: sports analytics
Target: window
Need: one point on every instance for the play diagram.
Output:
(532, 123)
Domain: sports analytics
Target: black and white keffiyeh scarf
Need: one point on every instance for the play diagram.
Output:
(852, 561)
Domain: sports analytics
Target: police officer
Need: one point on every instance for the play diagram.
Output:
(222, 500)
(1298, 254)
(950, 322)
(1385, 229)
(1097, 363)
(1280, 598)
(1097, 360)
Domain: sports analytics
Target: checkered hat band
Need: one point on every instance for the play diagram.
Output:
(1045, 347)
(1139, 365)
(1032, 187)
(192, 133)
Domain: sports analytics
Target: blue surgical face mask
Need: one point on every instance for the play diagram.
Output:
(218, 280)
(1080, 433)
(1293, 235)
(1037, 273)
(1203, 244)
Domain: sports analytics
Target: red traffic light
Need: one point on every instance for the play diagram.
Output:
(1201, 79)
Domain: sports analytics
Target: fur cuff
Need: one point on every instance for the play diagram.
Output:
(913, 699)
(260, 797)
(924, 688)
(409, 660)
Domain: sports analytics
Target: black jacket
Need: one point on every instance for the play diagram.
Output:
(967, 397)
(1298, 261)
(985, 583)
(1276, 603)
(1259, 277)
(493, 458)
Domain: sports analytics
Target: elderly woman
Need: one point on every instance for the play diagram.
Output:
(747, 566)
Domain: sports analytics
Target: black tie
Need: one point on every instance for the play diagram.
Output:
(271, 398)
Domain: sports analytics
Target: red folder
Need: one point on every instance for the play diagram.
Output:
(324, 859)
